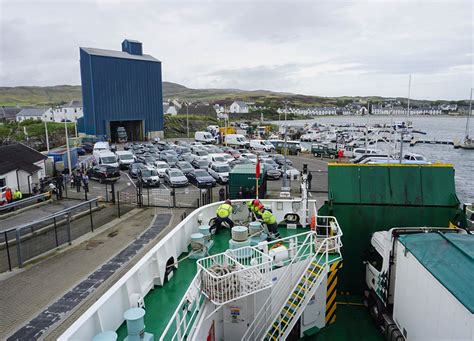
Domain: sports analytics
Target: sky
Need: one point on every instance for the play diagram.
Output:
(323, 48)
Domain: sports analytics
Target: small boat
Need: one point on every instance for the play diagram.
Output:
(468, 142)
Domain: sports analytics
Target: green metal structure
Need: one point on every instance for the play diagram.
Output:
(243, 181)
(370, 198)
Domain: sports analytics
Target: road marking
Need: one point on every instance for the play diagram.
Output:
(131, 180)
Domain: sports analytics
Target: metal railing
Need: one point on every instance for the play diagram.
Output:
(234, 274)
(35, 238)
(27, 201)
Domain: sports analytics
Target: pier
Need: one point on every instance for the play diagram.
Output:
(414, 142)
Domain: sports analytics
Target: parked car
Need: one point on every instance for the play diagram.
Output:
(134, 168)
(200, 164)
(186, 157)
(161, 167)
(280, 159)
(80, 151)
(272, 172)
(170, 160)
(88, 147)
(219, 171)
(175, 178)
(148, 177)
(201, 178)
(264, 145)
(184, 166)
(125, 158)
(249, 156)
(104, 173)
(239, 161)
(290, 171)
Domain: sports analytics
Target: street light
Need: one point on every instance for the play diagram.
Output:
(67, 145)
(285, 167)
(187, 118)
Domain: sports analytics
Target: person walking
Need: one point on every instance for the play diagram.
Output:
(309, 178)
(85, 181)
(78, 181)
(17, 195)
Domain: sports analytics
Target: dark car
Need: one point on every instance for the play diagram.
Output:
(80, 151)
(186, 157)
(280, 159)
(148, 177)
(271, 171)
(134, 168)
(169, 159)
(201, 178)
(104, 173)
(200, 164)
(184, 166)
(88, 147)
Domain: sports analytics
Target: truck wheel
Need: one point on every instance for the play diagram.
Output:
(376, 309)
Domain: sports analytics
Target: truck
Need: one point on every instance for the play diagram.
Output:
(60, 158)
(419, 283)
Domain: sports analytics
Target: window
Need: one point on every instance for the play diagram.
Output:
(375, 258)
(3, 182)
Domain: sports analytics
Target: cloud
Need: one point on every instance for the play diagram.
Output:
(325, 48)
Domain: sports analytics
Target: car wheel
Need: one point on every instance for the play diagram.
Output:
(101, 179)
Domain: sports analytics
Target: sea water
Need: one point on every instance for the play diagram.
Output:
(436, 127)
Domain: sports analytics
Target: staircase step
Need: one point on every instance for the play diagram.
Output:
(296, 295)
(292, 304)
(312, 273)
(288, 311)
(271, 336)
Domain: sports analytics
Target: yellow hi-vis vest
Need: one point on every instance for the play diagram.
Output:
(268, 217)
(224, 210)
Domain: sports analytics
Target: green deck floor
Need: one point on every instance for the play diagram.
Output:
(161, 302)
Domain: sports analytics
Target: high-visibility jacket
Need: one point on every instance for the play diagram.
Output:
(17, 195)
(224, 210)
(268, 217)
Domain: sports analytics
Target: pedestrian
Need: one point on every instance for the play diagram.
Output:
(222, 194)
(310, 177)
(17, 195)
(73, 180)
(78, 181)
(85, 181)
(9, 195)
(35, 189)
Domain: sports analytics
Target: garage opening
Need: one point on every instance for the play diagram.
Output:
(135, 130)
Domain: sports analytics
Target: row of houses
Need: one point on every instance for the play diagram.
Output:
(174, 107)
(69, 113)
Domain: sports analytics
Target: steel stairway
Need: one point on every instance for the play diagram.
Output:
(299, 297)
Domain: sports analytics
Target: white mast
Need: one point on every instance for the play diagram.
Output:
(469, 116)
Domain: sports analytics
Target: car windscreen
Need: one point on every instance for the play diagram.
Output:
(108, 159)
(126, 157)
(219, 159)
(172, 159)
(223, 169)
(251, 157)
(176, 173)
(200, 173)
(162, 166)
(203, 163)
(149, 172)
(110, 170)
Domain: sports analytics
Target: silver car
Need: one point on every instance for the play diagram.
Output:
(175, 178)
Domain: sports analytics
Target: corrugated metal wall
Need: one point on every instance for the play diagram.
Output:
(118, 89)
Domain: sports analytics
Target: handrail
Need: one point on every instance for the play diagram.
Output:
(276, 293)
(51, 216)
(319, 256)
(249, 334)
(25, 200)
(175, 317)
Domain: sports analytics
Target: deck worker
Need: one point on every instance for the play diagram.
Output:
(223, 215)
(256, 205)
(271, 222)
(310, 177)
(9, 195)
(17, 195)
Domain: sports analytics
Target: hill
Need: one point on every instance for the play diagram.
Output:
(61, 94)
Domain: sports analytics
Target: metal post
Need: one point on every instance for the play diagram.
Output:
(409, 90)
(187, 119)
(112, 191)
(47, 137)
(118, 203)
(285, 167)
(18, 248)
(55, 232)
(90, 214)
(67, 147)
(148, 195)
(85, 193)
(106, 192)
(8, 251)
(173, 193)
(68, 217)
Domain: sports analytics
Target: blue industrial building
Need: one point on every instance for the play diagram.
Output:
(121, 89)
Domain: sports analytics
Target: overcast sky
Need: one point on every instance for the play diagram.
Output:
(327, 48)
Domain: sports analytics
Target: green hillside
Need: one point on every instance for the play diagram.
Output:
(61, 94)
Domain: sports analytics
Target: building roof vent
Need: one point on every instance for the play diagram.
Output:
(132, 47)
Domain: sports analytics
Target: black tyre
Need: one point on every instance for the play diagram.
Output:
(376, 309)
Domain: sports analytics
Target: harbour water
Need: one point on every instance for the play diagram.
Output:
(435, 127)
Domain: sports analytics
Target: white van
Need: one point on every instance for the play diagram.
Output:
(236, 140)
(357, 152)
(264, 145)
(215, 157)
(204, 137)
(101, 146)
(106, 158)
(125, 158)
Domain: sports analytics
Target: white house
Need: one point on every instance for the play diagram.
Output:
(169, 109)
(21, 167)
(69, 113)
(239, 107)
(32, 114)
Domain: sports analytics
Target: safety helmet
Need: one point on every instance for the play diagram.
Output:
(256, 202)
(228, 202)
(261, 207)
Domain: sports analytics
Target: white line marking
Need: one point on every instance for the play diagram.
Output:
(131, 180)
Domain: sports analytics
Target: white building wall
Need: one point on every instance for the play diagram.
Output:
(59, 114)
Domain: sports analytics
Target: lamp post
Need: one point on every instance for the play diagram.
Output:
(67, 146)
(187, 118)
(285, 166)
(47, 138)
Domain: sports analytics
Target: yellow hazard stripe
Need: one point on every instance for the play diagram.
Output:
(331, 293)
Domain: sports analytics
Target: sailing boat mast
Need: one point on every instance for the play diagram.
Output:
(469, 116)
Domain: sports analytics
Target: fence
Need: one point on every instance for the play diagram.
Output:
(164, 197)
(26, 242)
(24, 202)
